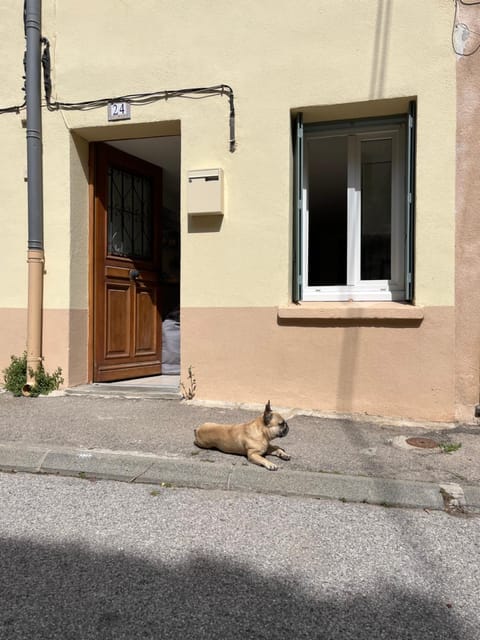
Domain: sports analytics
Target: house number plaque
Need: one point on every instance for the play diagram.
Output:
(118, 111)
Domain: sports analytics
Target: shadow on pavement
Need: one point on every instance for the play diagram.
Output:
(70, 592)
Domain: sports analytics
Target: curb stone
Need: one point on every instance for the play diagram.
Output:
(243, 477)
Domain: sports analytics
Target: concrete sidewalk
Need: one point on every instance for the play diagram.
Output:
(135, 436)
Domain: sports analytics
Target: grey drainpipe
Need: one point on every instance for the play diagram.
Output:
(35, 256)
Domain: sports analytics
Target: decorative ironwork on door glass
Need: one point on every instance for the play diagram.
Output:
(130, 223)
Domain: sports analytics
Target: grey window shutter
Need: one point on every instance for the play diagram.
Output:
(409, 226)
(297, 209)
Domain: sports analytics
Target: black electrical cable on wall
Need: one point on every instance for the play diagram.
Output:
(136, 98)
(466, 29)
(14, 109)
(194, 93)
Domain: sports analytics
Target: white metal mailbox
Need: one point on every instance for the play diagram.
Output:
(205, 192)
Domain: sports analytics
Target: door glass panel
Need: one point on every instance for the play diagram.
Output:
(376, 170)
(130, 203)
(327, 211)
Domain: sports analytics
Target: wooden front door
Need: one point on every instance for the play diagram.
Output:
(127, 324)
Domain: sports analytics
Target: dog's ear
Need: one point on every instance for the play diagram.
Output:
(267, 414)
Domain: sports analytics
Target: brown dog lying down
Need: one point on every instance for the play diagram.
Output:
(251, 439)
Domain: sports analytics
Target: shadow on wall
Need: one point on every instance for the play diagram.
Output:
(380, 48)
(349, 352)
(70, 592)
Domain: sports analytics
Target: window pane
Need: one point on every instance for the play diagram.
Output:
(376, 209)
(327, 207)
(129, 215)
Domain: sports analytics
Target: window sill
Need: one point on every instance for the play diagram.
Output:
(380, 311)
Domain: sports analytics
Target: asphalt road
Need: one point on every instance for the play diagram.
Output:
(82, 559)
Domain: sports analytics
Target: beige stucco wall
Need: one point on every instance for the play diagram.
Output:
(278, 57)
(467, 304)
(402, 368)
(64, 340)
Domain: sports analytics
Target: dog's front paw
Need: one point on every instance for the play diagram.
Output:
(270, 466)
(284, 456)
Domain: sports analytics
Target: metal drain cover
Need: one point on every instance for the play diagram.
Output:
(422, 443)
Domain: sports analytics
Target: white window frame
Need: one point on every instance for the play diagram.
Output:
(357, 289)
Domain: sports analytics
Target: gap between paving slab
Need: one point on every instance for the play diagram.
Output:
(181, 472)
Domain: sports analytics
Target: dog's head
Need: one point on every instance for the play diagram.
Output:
(276, 425)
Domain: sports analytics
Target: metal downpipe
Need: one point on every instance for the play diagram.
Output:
(35, 256)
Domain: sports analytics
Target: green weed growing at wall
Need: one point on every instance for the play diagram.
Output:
(15, 377)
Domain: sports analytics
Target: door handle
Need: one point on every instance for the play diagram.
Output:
(133, 274)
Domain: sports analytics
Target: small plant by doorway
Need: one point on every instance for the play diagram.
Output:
(189, 390)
